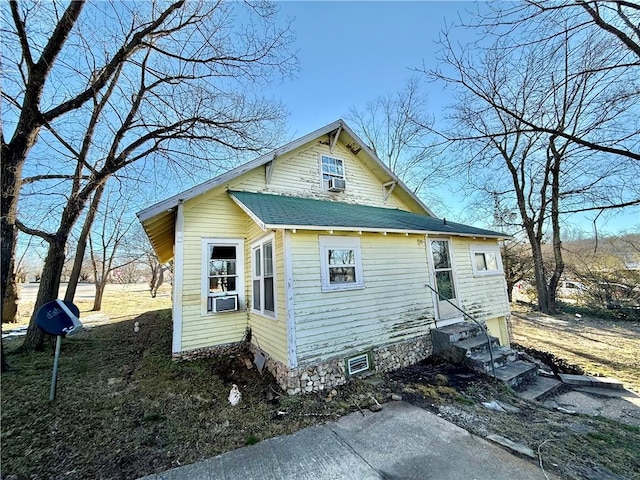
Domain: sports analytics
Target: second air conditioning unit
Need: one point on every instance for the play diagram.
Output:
(337, 185)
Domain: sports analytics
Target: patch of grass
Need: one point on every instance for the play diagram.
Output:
(152, 417)
(124, 409)
(620, 313)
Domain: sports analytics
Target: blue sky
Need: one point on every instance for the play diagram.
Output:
(352, 52)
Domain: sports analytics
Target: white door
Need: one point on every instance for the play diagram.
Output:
(443, 279)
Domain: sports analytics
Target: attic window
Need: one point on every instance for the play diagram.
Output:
(332, 170)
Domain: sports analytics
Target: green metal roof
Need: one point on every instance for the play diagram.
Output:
(279, 211)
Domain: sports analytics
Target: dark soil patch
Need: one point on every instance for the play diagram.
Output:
(555, 363)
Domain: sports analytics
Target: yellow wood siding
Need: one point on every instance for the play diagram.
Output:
(298, 173)
(270, 334)
(393, 306)
(482, 297)
(213, 214)
(498, 328)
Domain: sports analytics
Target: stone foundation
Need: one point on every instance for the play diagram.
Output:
(328, 374)
(332, 373)
(218, 350)
(400, 355)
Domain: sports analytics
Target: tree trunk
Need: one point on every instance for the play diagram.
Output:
(4, 366)
(82, 245)
(510, 286)
(157, 278)
(540, 274)
(97, 301)
(558, 268)
(11, 169)
(49, 287)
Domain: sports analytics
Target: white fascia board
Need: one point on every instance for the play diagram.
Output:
(172, 202)
(269, 226)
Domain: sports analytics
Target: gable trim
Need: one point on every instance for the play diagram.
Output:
(249, 213)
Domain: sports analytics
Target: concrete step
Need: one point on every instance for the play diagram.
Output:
(501, 355)
(540, 388)
(476, 344)
(443, 337)
(460, 352)
(517, 373)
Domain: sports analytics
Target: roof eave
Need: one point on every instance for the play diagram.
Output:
(277, 226)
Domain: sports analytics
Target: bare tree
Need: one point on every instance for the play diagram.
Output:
(105, 242)
(81, 247)
(397, 128)
(539, 23)
(502, 91)
(142, 84)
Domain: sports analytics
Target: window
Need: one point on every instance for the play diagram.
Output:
(340, 263)
(222, 274)
(332, 169)
(263, 268)
(486, 260)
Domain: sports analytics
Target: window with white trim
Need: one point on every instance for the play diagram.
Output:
(222, 274)
(340, 263)
(263, 277)
(331, 169)
(486, 260)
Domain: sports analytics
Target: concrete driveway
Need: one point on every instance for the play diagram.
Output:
(400, 442)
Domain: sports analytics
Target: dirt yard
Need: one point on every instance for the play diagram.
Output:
(602, 347)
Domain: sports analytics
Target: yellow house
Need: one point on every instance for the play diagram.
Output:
(324, 261)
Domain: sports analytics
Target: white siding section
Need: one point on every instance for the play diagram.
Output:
(394, 306)
(484, 296)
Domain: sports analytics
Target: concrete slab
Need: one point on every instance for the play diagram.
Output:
(570, 379)
(589, 381)
(401, 441)
(538, 389)
(624, 409)
(311, 454)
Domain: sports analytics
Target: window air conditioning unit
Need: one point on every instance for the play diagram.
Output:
(225, 304)
(337, 185)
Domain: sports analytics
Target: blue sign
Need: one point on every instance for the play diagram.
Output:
(59, 317)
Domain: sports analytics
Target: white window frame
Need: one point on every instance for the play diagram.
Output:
(238, 243)
(259, 245)
(325, 186)
(331, 242)
(486, 249)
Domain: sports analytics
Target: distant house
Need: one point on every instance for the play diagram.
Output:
(326, 257)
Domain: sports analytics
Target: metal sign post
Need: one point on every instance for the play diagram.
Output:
(59, 318)
(54, 377)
